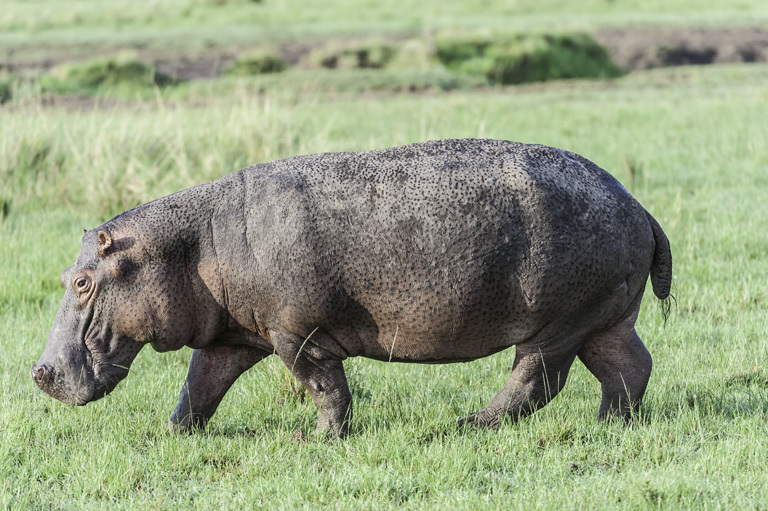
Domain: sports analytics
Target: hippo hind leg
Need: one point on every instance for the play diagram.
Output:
(536, 378)
(619, 360)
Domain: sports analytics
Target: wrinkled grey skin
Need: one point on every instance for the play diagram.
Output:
(437, 252)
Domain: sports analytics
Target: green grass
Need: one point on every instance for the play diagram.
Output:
(689, 143)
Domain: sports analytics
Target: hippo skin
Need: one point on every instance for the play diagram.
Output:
(436, 252)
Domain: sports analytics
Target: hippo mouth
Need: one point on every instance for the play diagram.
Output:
(80, 390)
(59, 385)
(79, 382)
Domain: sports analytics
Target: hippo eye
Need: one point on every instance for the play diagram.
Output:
(81, 284)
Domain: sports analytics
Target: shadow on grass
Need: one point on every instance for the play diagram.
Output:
(728, 397)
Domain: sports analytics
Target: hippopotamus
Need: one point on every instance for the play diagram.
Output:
(434, 252)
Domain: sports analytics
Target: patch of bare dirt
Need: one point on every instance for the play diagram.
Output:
(649, 47)
(213, 63)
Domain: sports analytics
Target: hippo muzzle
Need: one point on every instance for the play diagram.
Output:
(65, 372)
(70, 377)
(76, 371)
(61, 381)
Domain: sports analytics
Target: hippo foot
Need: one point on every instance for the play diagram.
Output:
(180, 429)
(481, 419)
(619, 416)
(323, 430)
(189, 424)
(326, 430)
(324, 434)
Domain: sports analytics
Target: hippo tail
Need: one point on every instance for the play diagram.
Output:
(661, 266)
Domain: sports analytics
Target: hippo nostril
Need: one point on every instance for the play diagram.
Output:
(40, 372)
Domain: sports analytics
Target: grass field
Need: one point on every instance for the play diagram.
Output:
(691, 144)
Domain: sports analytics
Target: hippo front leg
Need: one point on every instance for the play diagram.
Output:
(211, 372)
(322, 373)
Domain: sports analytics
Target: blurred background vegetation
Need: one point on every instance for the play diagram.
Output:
(126, 49)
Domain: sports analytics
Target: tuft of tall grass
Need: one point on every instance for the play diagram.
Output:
(5, 89)
(370, 55)
(110, 160)
(123, 70)
(256, 62)
(525, 58)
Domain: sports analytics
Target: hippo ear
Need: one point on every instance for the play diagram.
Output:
(104, 242)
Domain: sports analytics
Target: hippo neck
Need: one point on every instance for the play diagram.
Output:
(183, 214)
(177, 231)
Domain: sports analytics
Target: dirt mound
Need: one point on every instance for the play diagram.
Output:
(649, 47)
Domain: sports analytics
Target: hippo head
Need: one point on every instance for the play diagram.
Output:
(116, 301)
